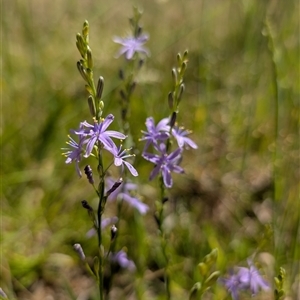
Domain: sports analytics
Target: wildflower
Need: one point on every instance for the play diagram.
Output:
(98, 132)
(75, 154)
(119, 159)
(245, 279)
(121, 259)
(166, 163)
(252, 278)
(233, 285)
(155, 133)
(180, 135)
(132, 45)
(125, 192)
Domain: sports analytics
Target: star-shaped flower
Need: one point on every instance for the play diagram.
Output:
(75, 154)
(132, 45)
(180, 135)
(157, 133)
(98, 133)
(165, 163)
(119, 159)
(252, 278)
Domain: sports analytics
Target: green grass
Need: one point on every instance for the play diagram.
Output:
(241, 101)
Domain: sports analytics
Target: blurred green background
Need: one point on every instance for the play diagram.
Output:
(241, 101)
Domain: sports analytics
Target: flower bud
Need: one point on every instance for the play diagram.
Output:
(173, 119)
(114, 187)
(213, 277)
(100, 87)
(79, 250)
(174, 75)
(89, 174)
(85, 30)
(91, 104)
(113, 232)
(170, 100)
(89, 58)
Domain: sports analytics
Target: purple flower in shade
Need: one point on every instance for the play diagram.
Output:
(252, 278)
(121, 259)
(98, 133)
(233, 285)
(75, 154)
(166, 163)
(245, 279)
(119, 159)
(125, 192)
(180, 135)
(157, 133)
(131, 45)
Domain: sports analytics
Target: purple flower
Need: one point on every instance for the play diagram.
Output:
(245, 279)
(131, 45)
(180, 135)
(155, 133)
(125, 192)
(98, 133)
(122, 259)
(233, 285)
(252, 278)
(120, 155)
(166, 163)
(75, 154)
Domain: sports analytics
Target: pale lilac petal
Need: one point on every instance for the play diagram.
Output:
(130, 167)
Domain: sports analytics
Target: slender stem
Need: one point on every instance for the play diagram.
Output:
(163, 240)
(276, 117)
(100, 210)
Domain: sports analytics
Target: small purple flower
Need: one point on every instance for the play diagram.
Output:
(233, 285)
(166, 163)
(245, 279)
(131, 45)
(122, 259)
(119, 159)
(125, 192)
(252, 278)
(75, 154)
(98, 132)
(180, 135)
(157, 133)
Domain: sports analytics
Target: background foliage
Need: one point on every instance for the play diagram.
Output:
(241, 100)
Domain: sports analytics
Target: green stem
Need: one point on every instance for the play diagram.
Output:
(163, 239)
(99, 215)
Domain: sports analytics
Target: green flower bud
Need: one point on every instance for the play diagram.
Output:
(85, 31)
(213, 277)
(100, 87)
(89, 58)
(203, 268)
(96, 265)
(194, 291)
(91, 104)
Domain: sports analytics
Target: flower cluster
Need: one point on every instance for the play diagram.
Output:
(245, 279)
(90, 137)
(157, 137)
